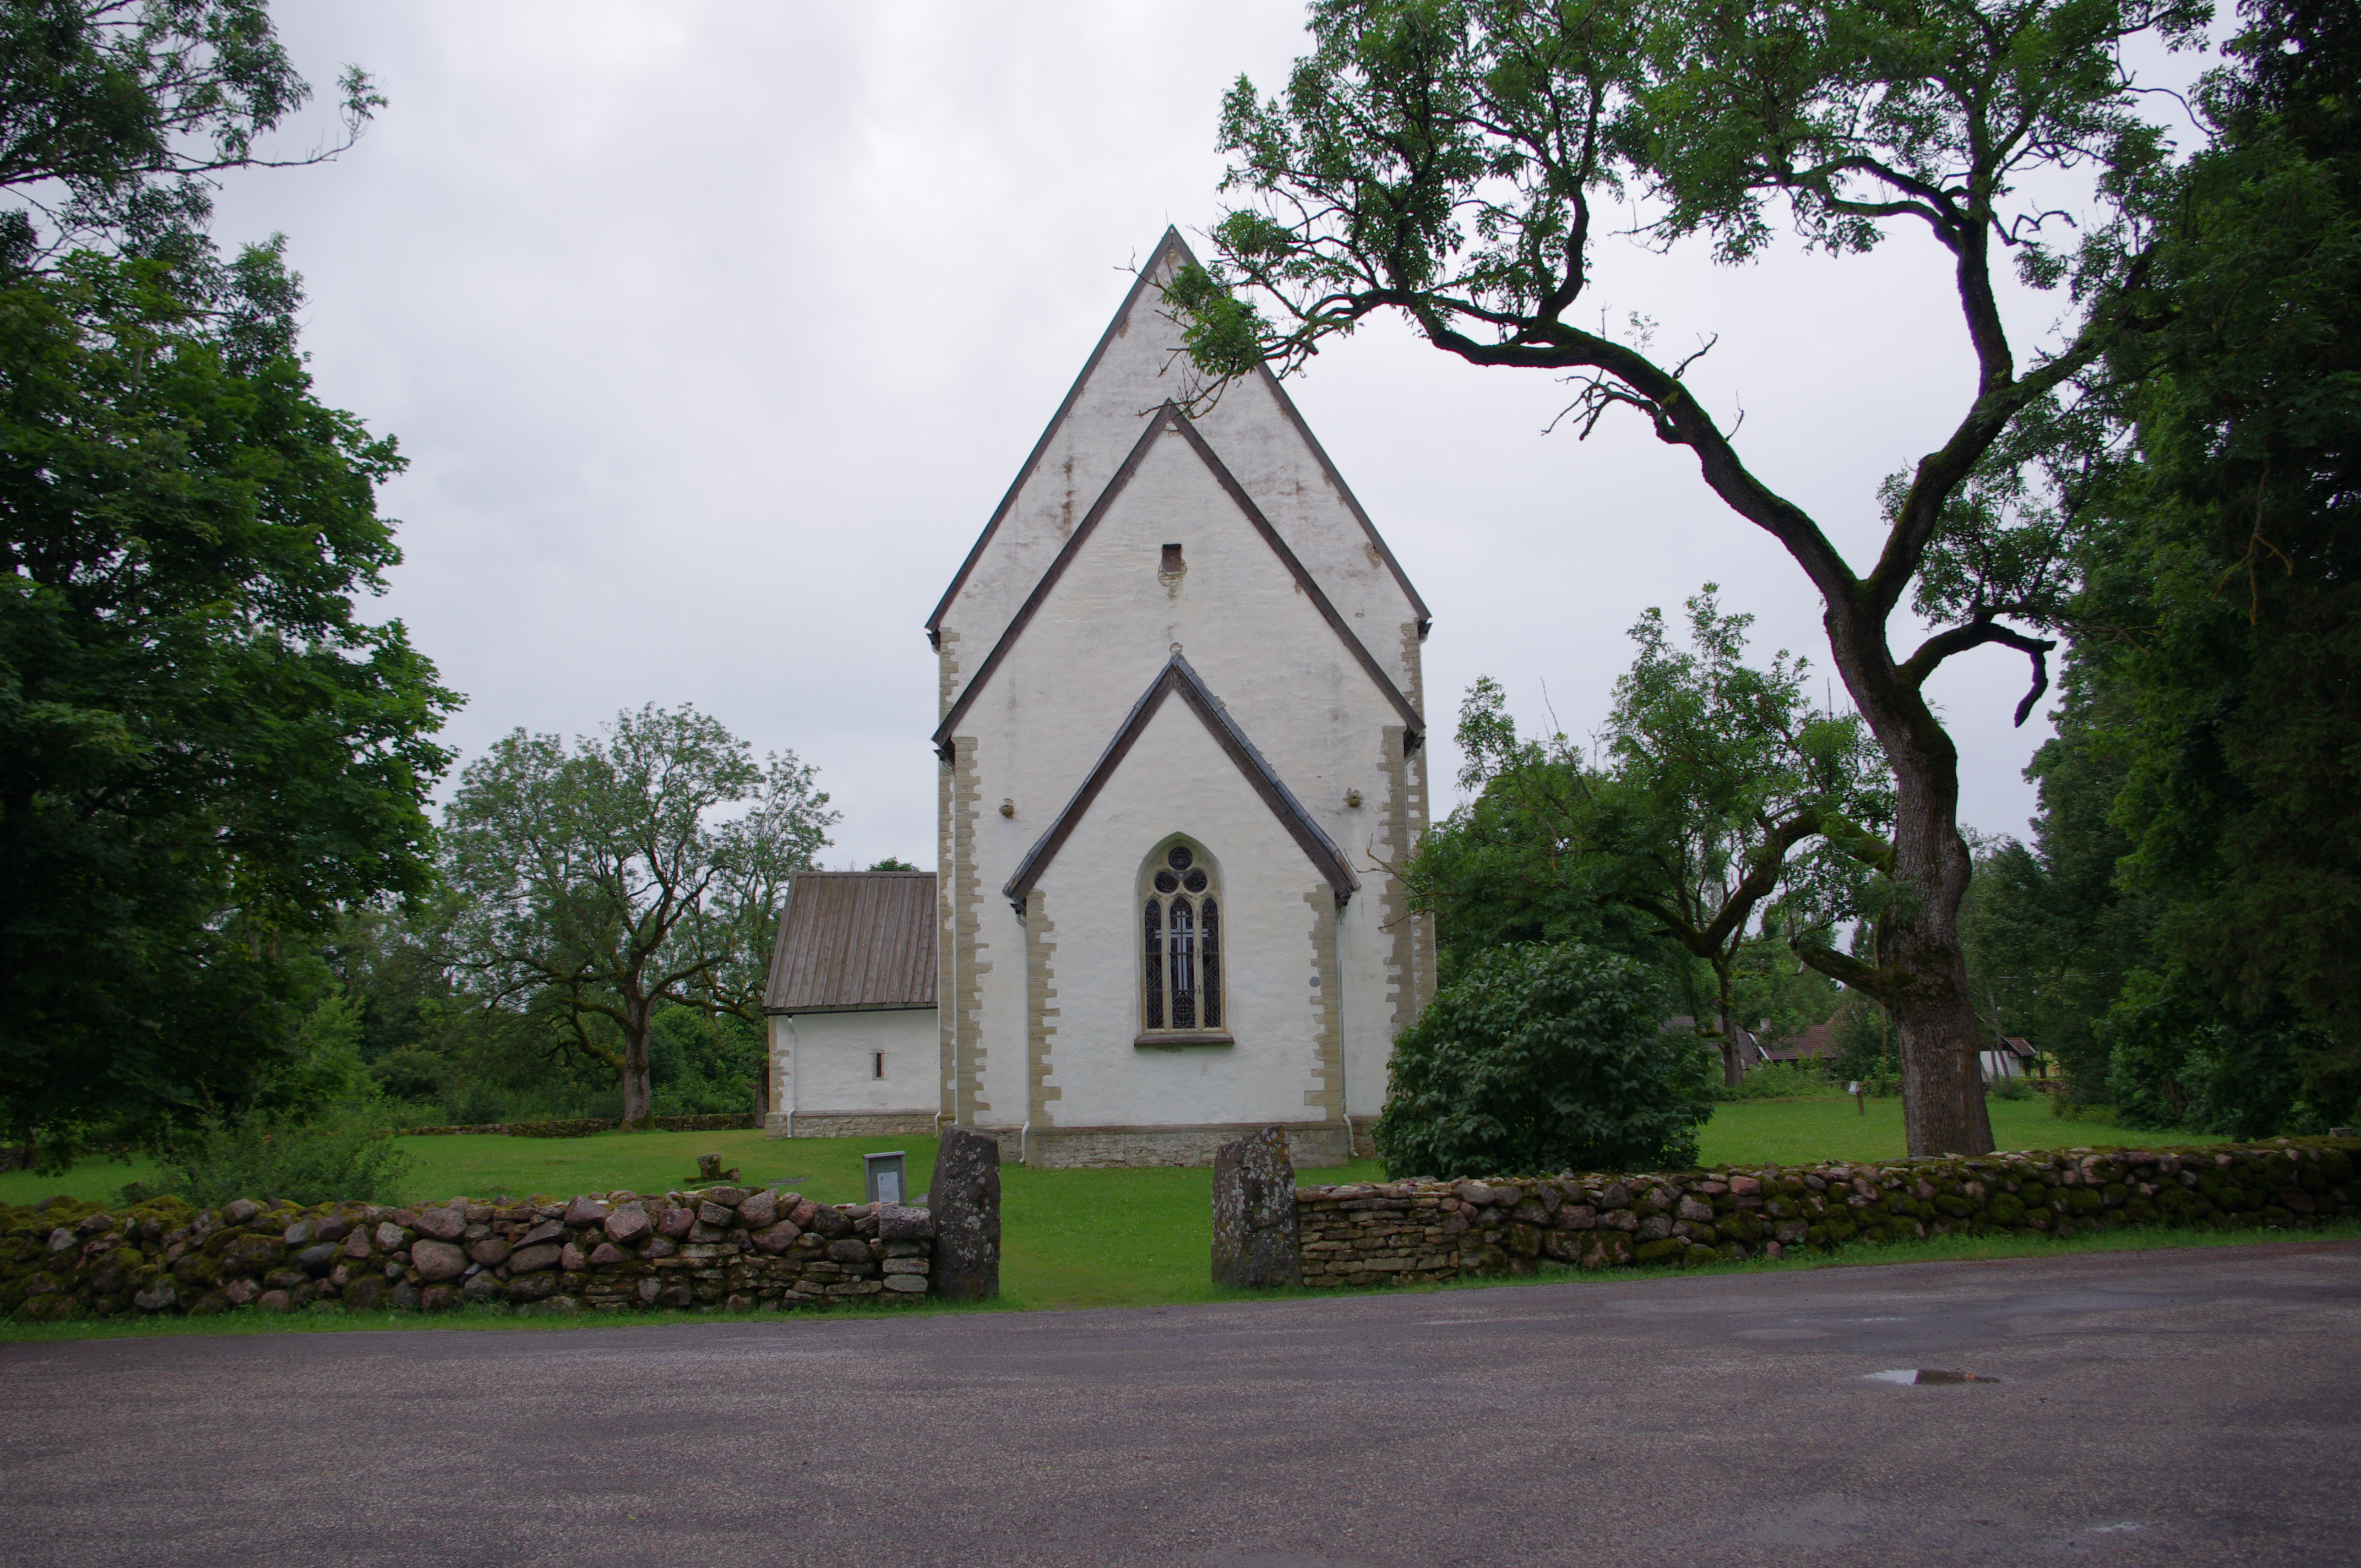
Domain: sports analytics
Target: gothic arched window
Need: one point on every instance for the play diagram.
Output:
(1180, 947)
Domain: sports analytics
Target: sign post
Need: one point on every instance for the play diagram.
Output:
(885, 1176)
(1860, 1104)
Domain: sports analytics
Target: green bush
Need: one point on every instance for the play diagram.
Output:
(2009, 1088)
(347, 1155)
(1541, 1059)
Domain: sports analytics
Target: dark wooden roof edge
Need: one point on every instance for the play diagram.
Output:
(1178, 676)
(776, 974)
(1025, 472)
(1351, 501)
(1277, 391)
(857, 1007)
(1169, 417)
(1328, 611)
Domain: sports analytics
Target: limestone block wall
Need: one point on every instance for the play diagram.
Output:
(721, 1246)
(1405, 1231)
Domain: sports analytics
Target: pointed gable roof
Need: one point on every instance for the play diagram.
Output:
(1178, 679)
(1170, 254)
(1169, 419)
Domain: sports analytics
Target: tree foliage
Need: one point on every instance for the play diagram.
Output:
(1542, 1058)
(1727, 803)
(608, 881)
(1446, 160)
(114, 115)
(2182, 933)
(205, 750)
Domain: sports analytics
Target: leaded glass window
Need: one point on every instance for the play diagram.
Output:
(1180, 955)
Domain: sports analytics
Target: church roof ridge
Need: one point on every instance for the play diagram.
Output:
(1169, 417)
(1171, 239)
(1178, 677)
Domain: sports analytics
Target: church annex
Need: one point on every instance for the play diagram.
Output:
(1181, 740)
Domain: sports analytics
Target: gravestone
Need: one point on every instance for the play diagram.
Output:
(1254, 1237)
(966, 1203)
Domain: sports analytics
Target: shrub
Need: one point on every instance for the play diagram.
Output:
(1540, 1058)
(347, 1155)
(2009, 1088)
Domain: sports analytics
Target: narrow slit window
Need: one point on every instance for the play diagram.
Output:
(877, 1064)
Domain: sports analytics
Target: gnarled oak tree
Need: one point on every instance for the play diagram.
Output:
(1444, 159)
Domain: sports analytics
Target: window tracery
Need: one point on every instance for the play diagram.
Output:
(1181, 948)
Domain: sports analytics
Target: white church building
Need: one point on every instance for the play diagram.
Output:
(1181, 728)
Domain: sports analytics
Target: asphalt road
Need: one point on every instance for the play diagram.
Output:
(2189, 1407)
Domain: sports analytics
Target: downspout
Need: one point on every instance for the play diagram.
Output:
(1344, 1090)
(794, 1060)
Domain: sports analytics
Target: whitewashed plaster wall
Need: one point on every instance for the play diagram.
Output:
(1107, 632)
(1259, 441)
(1108, 628)
(1177, 778)
(826, 1060)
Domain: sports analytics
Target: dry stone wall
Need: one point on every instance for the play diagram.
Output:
(1405, 1231)
(583, 1127)
(721, 1246)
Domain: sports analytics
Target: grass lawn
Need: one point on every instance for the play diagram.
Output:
(1798, 1131)
(1113, 1238)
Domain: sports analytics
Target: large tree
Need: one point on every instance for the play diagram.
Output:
(2224, 588)
(1725, 799)
(613, 879)
(205, 750)
(1445, 160)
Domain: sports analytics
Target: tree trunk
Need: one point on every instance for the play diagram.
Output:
(1733, 1069)
(639, 1103)
(1921, 974)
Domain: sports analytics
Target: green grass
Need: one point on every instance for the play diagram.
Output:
(1091, 1238)
(1798, 1131)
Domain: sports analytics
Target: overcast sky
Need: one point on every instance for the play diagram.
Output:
(713, 333)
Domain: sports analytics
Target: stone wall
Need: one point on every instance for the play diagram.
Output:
(1406, 1232)
(583, 1128)
(850, 1124)
(1061, 1148)
(722, 1246)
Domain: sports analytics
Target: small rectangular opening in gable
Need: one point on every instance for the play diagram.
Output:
(877, 1064)
(1172, 560)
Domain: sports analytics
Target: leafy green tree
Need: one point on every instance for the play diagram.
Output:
(1511, 868)
(1725, 797)
(206, 752)
(1777, 996)
(114, 116)
(607, 880)
(2051, 932)
(1445, 160)
(2225, 596)
(1539, 1059)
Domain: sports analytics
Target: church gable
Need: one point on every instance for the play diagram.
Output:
(1179, 685)
(1132, 373)
(1252, 585)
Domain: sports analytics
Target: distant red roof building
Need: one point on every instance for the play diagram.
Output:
(1814, 1044)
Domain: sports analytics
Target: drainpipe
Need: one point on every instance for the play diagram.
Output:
(1024, 1137)
(1344, 1090)
(794, 1060)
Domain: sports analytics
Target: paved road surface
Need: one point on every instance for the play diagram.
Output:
(2189, 1407)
